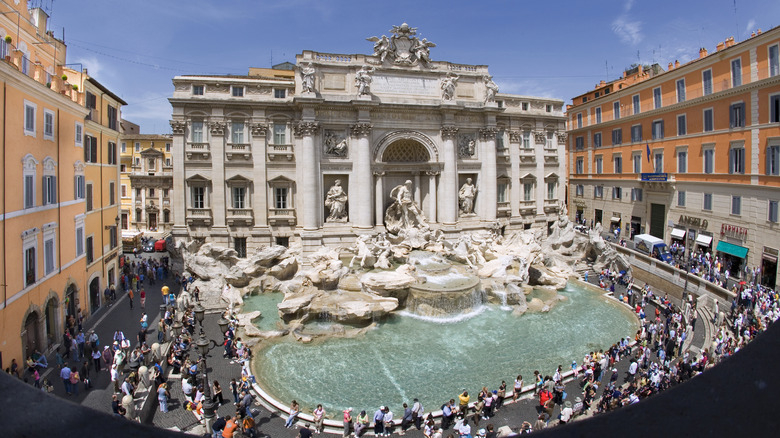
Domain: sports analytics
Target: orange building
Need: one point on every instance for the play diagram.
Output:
(690, 154)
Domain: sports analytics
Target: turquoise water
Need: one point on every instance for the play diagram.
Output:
(266, 304)
(408, 357)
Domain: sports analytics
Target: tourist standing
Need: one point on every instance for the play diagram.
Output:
(379, 423)
(347, 422)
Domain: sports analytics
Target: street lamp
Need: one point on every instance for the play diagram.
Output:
(204, 346)
(223, 324)
(176, 328)
(200, 312)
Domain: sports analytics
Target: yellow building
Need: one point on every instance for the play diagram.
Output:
(146, 181)
(42, 256)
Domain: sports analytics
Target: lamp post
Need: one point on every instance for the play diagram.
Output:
(223, 324)
(176, 328)
(204, 346)
(200, 312)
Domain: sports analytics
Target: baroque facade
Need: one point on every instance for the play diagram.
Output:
(691, 154)
(315, 155)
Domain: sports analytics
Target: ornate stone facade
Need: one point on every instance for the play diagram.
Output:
(370, 122)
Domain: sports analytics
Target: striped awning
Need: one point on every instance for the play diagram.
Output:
(678, 233)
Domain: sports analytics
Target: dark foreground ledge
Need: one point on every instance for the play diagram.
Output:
(736, 398)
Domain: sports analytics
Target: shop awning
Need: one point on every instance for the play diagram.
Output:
(703, 240)
(678, 233)
(735, 250)
(615, 219)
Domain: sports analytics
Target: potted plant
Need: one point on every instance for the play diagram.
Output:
(8, 39)
(75, 87)
(64, 78)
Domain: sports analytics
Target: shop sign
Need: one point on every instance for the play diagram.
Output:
(655, 176)
(733, 231)
(693, 221)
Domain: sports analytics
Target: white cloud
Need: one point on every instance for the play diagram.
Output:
(629, 4)
(150, 111)
(629, 32)
(751, 26)
(94, 67)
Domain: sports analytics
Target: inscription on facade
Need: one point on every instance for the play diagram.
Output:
(401, 85)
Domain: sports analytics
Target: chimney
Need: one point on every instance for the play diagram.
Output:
(752, 34)
(730, 41)
(40, 19)
(676, 63)
(720, 46)
(602, 83)
(758, 32)
(702, 53)
(671, 66)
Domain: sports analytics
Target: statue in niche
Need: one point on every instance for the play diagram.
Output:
(467, 146)
(307, 78)
(490, 88)
(448, 86)
(404, 214)
(335, 145)
(363, 80)
(466, 198)
(336, 201)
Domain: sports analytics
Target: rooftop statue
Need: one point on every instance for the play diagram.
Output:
(403, 47)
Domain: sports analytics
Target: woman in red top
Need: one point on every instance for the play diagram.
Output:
(143, 299)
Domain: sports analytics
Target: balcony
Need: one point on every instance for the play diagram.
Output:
(527, 207)
(166, 203)
(502, 154)
(527, 156)
(550, 157)
(279, 152)
(197, 151)
(241, 151)
(240, 216)
(281, 216)
(94, 115)
(199, 216)
(551, 206)
(138, 204)
(504, 209)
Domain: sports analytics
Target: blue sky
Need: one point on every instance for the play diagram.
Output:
(548, 48)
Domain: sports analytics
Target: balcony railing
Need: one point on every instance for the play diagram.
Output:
(197, 151)
(280, 151)
(281, 216)
(504, 209)
(551, 205)
(238, 150)
(528, 207)
(502, 153)
(239, 216)
(527, 156)
(550, 158)
(199, 216)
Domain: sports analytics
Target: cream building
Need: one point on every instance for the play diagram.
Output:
(255, 156)
(146, 182)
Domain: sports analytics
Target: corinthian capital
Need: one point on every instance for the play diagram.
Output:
(488, 133)
(303, 129)
(217, 128)
(178, 127)
(449, 131)
(361, 129)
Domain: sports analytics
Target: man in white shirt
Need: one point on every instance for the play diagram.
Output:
(566, 412)
(632, 369)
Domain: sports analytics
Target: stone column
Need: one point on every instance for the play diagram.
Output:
(309, 192)
(516, 193)
(179, 195)
(432, 189)
(448, 202)
(488, 186)
(540, 139)
(360, 193)
(379, 197)
(259, 197)
(217, 201)
(417, 192)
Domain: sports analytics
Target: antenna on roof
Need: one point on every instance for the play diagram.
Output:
(736, 19)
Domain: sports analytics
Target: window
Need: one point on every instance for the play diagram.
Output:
(636, 194)
(29, 118)
(635, 104)
(682, 161)
(681, 198)
(598, 191)
(280, 197)
(736, 205)
(772, 211)
(618, 163)
(112, 236)
(525, 106)
(659, 162)
(774, 109)
(616, 110)
(579, 143)
(597, 140)
(166, 216)
(168, 162)
(773, 160)
(636, 133)
(737, 115)
(123, 148)
(548, 108)
(137, 146)
(658, 130)
(111, 193)
(30, 273)
(123, 168)
(197, 132)
(123, 189)
(579, 120)
(48, 124)
(91, 150)
(579, 190)
(237, 132)
(737, 159)
(551, 185)
(527, 139)
(706, 79)
(682, 125)
(89, 197)
(49, 189)
(112, 153)
(528, 190)
(708, 121)
(90, 250)
(709, 160)
(579, 169)
(657, 97)
(549, 141)
(637, 158)
(707, 202)
(239, 197)
(138, 192)
(502, 191)
(49, 261)
(239, 244)
(29, 165)
(598, 115)
(79, 140)
(111, 114)
(138, 215)
(198, 197)
(617, 136)
(280, 93)
(80, 187)
(774, 60)
(237, 91)
(280, 131)
(599, 165)
(151, 165)
(617, 192)
(680, 90)
(167, 147)
(197, 90)
(165, 193)
(80, 238)
(736, 72)
(137, 162)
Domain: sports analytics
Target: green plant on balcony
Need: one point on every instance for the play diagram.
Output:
(64, 77)
(8, 39)
(75, 87)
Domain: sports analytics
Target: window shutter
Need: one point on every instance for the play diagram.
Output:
(768, 158)
(731, 160)
(741, 114)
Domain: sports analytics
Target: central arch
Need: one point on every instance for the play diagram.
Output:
(398, 141)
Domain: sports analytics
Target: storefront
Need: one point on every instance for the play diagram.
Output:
(598, 217)
(678, 235)
(614, 222)
(703, 243)
(636, 226)
(692, 232)
(769, 267)
(734, 257)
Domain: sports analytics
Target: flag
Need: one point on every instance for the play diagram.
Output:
(648, 152)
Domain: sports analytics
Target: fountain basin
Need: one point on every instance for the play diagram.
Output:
(444, 295)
